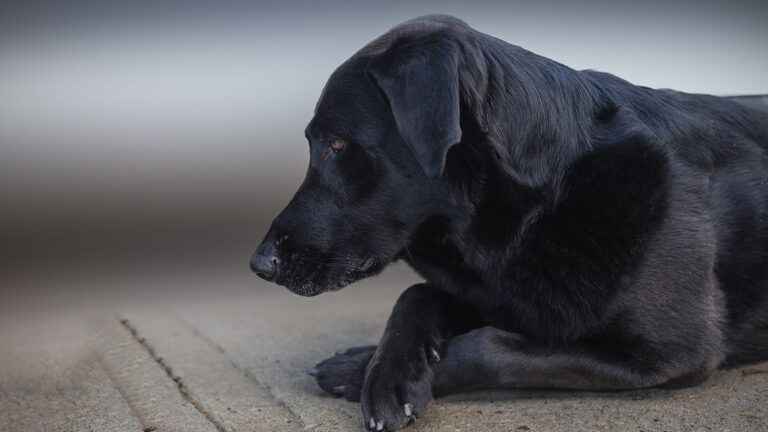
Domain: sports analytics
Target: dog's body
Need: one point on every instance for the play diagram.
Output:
(582, 232)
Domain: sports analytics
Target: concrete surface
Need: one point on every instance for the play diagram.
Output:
(238, 362)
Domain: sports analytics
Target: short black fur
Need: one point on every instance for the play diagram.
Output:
(574, 230)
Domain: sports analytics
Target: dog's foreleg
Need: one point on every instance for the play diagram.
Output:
(398, 379)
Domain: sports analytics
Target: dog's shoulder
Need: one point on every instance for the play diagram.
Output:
(610, 200)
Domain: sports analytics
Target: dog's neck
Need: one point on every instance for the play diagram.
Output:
(481, 205)
(512, 156)
(535, 113)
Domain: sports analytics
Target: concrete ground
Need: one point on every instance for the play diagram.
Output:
(237, 362)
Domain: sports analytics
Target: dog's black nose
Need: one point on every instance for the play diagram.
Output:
(265, 262)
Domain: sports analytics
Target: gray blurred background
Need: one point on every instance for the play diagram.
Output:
(145, 146)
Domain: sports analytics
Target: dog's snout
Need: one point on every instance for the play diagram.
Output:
(265, 262)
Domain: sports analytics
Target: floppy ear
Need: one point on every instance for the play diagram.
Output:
(422, 86)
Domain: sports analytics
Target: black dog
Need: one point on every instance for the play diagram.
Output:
(575, 231)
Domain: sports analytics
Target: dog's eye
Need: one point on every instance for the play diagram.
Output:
(337, 145)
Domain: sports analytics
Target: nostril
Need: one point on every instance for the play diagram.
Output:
(264, 276)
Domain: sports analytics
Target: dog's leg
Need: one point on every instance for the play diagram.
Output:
(433, 344)
(491, 358)
(394, 380)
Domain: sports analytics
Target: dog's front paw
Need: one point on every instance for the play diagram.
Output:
(343, 374)
(397, 388)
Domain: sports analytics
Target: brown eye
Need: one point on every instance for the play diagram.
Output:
(337, 145)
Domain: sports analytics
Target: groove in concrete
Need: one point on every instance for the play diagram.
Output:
(179, 383)
(248, 374)
(119, 389)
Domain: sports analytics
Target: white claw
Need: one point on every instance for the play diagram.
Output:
(372, 423)
(380, 425)
(435, 355)
(408, 408)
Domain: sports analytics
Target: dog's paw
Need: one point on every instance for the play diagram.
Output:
(343, 374)
(397, 388)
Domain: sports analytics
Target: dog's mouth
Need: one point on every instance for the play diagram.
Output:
(310, 278)
(367, 267)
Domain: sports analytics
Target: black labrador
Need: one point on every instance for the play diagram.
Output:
(575, 231)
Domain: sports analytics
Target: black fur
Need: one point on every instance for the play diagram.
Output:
(575, 231)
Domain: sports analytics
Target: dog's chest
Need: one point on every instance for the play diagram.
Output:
(506, 301)
(514, 294)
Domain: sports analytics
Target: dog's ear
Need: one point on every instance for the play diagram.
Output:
(421, 83)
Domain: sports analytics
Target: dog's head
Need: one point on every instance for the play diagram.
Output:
(378, 143)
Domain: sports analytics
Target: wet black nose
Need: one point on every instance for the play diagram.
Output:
(265, 262)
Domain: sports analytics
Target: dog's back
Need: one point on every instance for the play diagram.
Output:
(758, 102)
(727, 139)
